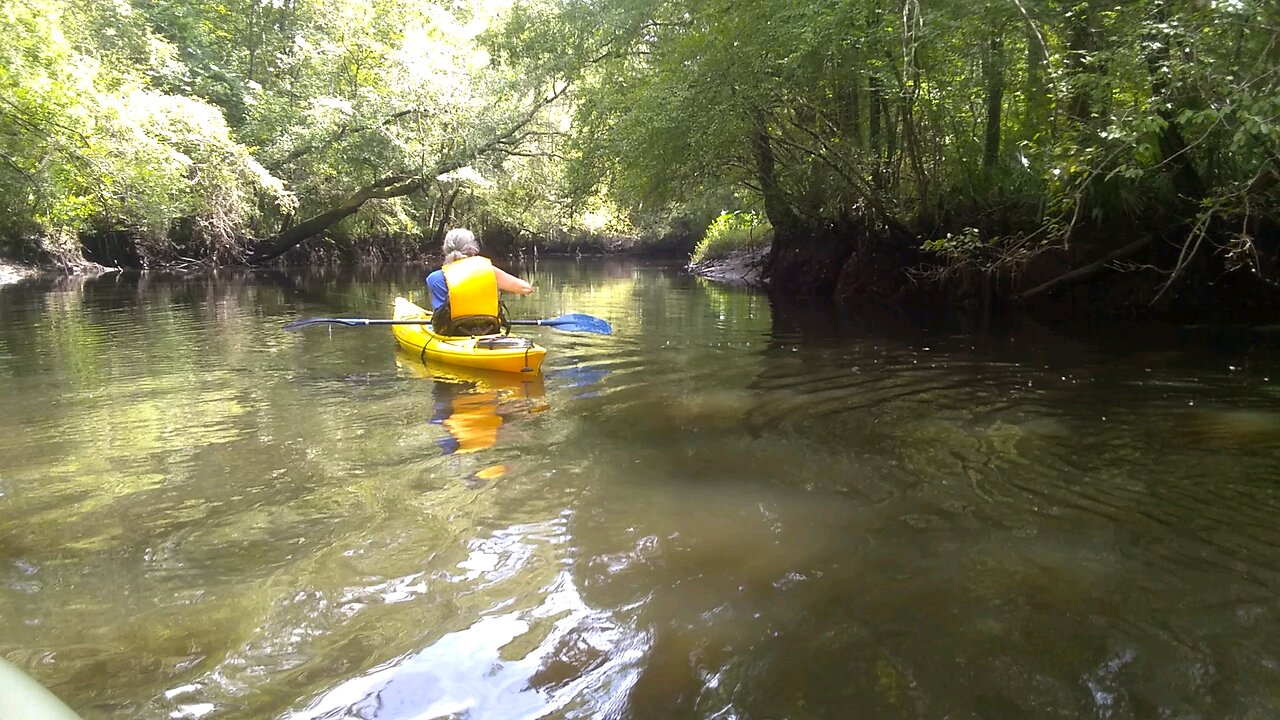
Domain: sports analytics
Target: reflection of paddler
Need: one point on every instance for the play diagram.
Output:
(470, 404)
(471, 418)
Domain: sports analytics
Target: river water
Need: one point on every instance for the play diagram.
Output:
(723, 510)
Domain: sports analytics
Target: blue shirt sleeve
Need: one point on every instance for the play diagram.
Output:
(439, 289)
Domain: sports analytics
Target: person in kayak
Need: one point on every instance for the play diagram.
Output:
(464, 292)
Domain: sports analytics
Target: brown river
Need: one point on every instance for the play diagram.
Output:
(725, 509)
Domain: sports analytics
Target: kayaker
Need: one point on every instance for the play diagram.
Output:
(464, 292)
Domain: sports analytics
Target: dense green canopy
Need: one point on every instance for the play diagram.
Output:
(986, 129)
(233, 130)
(983, 131)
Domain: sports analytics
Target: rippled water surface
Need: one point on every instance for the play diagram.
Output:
(723, 510)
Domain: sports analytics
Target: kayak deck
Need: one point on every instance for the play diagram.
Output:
(502, 353)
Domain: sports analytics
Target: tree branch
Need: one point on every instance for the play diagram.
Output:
(1086, 271)
(399, 185)
(299, 152)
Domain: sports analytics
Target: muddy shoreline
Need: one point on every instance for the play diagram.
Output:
(12, 272)
(745, 267)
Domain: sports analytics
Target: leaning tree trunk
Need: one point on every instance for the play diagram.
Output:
(391, 186)
(776, 206)
(446, 213)
(804, 260)
(388, 187)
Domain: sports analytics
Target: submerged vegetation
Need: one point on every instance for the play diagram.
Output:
(1001, 150)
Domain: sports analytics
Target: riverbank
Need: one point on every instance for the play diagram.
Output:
(741, 267)
(12, 272)
(1095, 279)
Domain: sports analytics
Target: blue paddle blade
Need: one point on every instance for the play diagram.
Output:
(572, 322)
(577, 322)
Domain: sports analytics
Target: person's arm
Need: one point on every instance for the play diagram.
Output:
(512, 284)
(439, 289)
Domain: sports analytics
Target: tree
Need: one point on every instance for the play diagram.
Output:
(900, 112)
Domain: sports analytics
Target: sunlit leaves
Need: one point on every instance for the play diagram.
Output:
(175, 119)
(859, 108)
(90, 148)
(209, 122)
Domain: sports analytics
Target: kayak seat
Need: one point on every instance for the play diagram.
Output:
(471, 325)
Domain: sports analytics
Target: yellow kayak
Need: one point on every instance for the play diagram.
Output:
(501, 353)
(22, 698)
(522, 385)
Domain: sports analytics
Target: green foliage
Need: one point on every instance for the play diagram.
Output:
(1038, 118)
(90, 148)
(966, 243)
(733, 232)
(196, 128)
(200, 127)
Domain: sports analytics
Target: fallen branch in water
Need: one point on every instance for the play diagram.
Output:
(1087, 271)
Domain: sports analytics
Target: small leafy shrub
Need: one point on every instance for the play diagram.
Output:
(730, 232)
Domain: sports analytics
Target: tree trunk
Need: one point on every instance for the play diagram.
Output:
(1082, 43)
(910, 84)
(1037, 88)
(255, 34)
(286, 240)
(993, 69)
(874, 103)
(913, 152)
(1173, 146)
(776, 206)
(446, 212)
(851, 110)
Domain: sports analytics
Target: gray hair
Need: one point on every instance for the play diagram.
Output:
(458, 244)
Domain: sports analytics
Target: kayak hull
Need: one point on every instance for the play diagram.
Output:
(463, 351)
(22, 698)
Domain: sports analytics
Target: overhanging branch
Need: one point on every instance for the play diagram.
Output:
(507, 139)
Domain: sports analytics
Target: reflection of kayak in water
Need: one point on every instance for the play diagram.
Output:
(22, 698)
(471, 404)
(502, 353)
(513, 385)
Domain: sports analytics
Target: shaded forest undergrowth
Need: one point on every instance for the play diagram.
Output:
(1179, 272)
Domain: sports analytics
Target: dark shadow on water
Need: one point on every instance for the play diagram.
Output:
(821, 323)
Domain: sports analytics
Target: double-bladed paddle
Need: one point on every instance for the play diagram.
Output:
(572, 322)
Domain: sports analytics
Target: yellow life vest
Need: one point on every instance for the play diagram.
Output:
(473, 287)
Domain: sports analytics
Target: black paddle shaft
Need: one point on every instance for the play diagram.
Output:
(573, 322)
